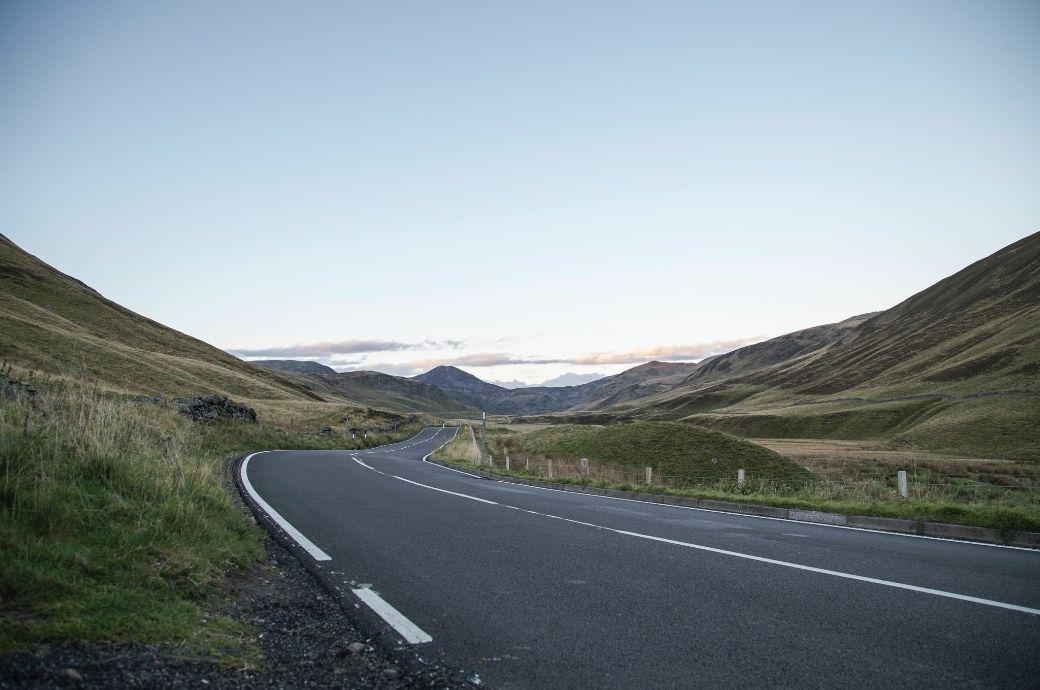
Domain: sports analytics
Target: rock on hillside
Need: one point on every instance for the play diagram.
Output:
(210, 408)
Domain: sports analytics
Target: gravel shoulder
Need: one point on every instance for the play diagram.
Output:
(308, 638)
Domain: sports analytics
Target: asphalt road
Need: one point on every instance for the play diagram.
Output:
(531, 587)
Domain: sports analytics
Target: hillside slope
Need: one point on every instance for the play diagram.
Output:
(953, 367)
(55, 323)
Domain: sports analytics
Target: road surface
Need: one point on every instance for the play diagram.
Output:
(531, 587)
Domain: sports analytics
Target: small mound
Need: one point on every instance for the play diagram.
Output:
(671, 448)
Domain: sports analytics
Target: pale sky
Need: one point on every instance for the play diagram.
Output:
(526, 189)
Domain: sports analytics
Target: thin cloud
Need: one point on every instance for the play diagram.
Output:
(666, 353)
(345, 347)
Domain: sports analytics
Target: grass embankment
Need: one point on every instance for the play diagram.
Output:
(114, 525)
(1003, 426)
(1003, 510)
(680, 451)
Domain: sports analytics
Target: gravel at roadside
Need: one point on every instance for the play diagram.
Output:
(307, 638)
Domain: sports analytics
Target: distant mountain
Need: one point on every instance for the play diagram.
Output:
(635, 384)
(461, 383)
(571, 379)
(510, 384)
(480, 394)
(371, 388)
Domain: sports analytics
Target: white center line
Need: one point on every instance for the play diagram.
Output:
(411, 632)
(445, 491)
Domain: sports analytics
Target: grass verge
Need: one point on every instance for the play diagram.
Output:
(1006, 512)
(114, 526)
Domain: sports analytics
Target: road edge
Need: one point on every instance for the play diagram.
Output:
(369, 623)
(920, 528)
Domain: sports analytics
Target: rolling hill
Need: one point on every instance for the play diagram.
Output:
(53, 323)
(953, 368)
(371, 388)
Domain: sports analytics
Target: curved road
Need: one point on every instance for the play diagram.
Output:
(531, 587)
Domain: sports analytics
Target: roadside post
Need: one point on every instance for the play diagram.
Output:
(901, 482)
(741, 477)
(649, 475)
(484, 432)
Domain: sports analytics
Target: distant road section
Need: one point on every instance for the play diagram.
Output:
(529, 587)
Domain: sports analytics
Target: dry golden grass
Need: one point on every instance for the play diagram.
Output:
(462, 448)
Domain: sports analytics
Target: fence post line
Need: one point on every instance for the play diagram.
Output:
(901, 482)
(741, 477)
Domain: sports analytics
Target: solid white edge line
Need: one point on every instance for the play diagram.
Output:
(836, 573)
(767, 517)
(303, 541)
(411, 632)
(427, 460)
(750, 557)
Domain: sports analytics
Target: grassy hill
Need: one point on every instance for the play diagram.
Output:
(954, 368)
(672, 449)
(55, 323)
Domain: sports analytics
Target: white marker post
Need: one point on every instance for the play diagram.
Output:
(649, 475)
(550, 468)
(741, 477)
(484, 432)
(585, 466)
(901, 482)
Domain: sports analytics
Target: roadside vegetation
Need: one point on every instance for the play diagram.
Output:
(679, 451)
(565, 453)
(462, 448)
(114, 524)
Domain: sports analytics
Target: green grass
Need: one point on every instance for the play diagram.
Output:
(672, 449)
(114, 525)
(1010, 513)
(1004, 427)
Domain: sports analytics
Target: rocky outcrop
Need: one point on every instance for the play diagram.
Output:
(210, 408)
(14, 389)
